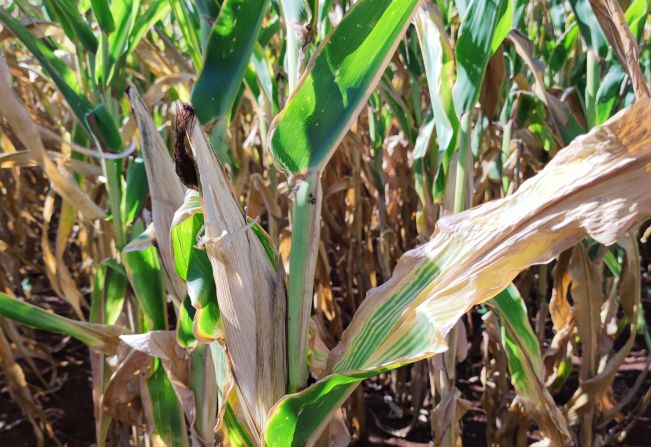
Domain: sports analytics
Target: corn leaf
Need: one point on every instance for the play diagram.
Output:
(526, 365)
(102, 11)
(74, 25)
(109, 290)
(102, 338)
(184, 325)
(189, 30)
(337, 84)
(227, 55)
(474, 255)
(28, 133)
(589, 26)
(478, 37)
(146, 277)
(124, 14)
(193, 266)
(166, 408)
(137, 189)
(438, 58)
(158, 10)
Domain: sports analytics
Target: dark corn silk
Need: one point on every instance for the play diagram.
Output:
(184, 163)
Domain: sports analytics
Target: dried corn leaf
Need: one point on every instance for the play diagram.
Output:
(250, 291)
(613, 23)
(592, 389)
(28, 133)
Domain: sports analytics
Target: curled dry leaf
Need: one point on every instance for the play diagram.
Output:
(592, 187)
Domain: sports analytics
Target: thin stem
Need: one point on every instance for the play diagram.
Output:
(302, 263)
(464, 166)
(463, 171)
(592, 84)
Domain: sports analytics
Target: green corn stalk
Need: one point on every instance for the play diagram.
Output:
(306, 132)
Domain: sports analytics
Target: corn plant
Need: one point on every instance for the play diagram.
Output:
(196, 154)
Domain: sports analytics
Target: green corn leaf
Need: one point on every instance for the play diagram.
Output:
(108, 136)
(102, 12)
(227, 55)
(608, 94)
(335, 87)
(62, 75)
(109, 290)
(478, 35)
(146, 277)
(408, 317)
(103, 338)
(296, 14)
(438, 58)
(423, 146)
(74, 25)
(193, 266)
(137, 189)
(166, 408)
(238, 436)
(589, 27)
(203, 382)
(265, 240)
(186, 22)
(504, 24)
(157, 11)
(636, 16)
(185, 323)
(526, 365)
(564, 45)
(114, 48)
(105, 129)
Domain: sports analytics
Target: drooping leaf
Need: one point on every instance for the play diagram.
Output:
(28, 133)
(102, 338)
(610, 16)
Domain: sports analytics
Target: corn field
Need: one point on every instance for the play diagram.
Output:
(325, 223)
